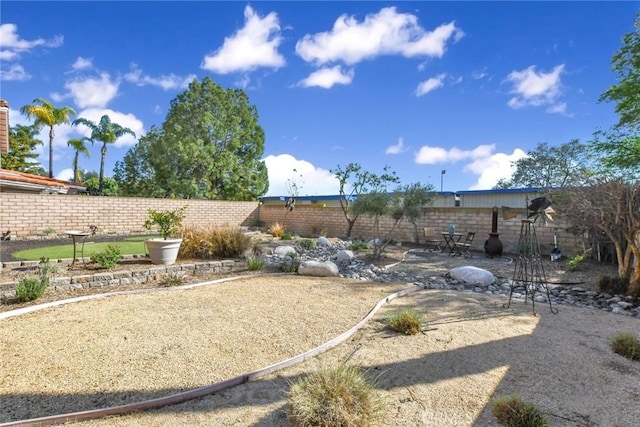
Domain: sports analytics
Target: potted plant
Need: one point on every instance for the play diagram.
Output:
(165, 249)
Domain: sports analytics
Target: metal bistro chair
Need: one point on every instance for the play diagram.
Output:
(431, 240)
(464, 248)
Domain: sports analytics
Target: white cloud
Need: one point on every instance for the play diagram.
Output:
(433, 155)
(65, 174)
(384, 33)
(492, 169)
(165, 81)
(127, 120)
(90, 91)
(15, 72)
(254, 45)
(396, 148)
(310, 179)
(430, 85)
(82, 63)
(479, 74)
(536, 89)
(328, 77)
(11, 45)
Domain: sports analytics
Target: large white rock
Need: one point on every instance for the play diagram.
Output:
(318, 268)
(344, 255)
(323, 241)
(473, 275)
(284, 250)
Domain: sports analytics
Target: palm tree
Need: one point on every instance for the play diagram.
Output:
(79, 147)
(107, 132)
(46, 114)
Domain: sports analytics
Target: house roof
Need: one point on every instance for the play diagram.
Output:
(21, 181)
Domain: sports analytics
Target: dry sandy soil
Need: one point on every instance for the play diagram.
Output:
(129, 348)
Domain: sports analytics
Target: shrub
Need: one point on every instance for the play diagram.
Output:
(108, 258)
(172, 280)
(286, 236)
(334, 396)
(255, 263)
(626, 344)
(306, 244)
(276, 230)
(167, 222)
(613, 285)
(32, 287)
(511, 411)
(290, 263)
(359, 246)
(407, 321)
(213, 242)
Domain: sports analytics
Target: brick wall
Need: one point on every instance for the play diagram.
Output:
(310, 221)
(29, 215)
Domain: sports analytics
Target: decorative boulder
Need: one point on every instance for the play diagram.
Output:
(318, 269)
(472, 275)
(344, 256)
(323, 241)
(284, 250)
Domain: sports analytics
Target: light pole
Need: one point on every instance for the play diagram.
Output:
(442, 179)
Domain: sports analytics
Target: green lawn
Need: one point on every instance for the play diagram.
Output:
(128, 246)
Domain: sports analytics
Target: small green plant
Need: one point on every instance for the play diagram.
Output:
(33, 287)
(626, 344)
(276, 230)
(406, 321)
(30, 288)
(255, 263)
(511, 411)
(359, 246)
(290, 263)
(306, 244)
(574, 262)
(49, 231)
(172, 280)
(108, 258)
(334, 396)
(286, 236)
(167, 222)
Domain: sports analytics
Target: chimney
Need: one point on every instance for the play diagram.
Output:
(4, 126)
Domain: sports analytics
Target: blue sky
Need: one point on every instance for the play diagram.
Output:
(466, 87)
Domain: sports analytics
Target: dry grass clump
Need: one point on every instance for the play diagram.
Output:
(613, 285)
(277, 229)
(213, 242)
(626, 344)
(511, 411)
(334, 396)
(406, 321)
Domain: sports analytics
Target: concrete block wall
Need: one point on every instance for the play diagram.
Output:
(310, 221)
(29, 216)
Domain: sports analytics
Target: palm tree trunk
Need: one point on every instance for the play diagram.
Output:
(103, 154)
(51, 135)
(75, 167)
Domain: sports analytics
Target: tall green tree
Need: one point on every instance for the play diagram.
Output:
(567, 165)
(46, 114)
(21, 156)
(210, 146)
(626, 93)
(106, 132)
(134, 174)
(78, 145)
(354, 182)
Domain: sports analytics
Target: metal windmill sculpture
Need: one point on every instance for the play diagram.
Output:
(528, 273)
